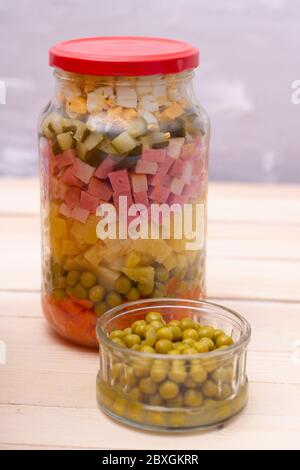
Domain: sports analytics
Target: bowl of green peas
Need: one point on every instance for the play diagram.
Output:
(172, 364)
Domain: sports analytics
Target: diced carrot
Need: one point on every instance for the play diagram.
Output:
(83, 303)
(172, 285)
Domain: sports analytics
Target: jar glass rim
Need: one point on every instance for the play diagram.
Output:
(168, 303)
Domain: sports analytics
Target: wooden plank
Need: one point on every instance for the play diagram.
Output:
(227, 201)
(253, 279)
(75, 427)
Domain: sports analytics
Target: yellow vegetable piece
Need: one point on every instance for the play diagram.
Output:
(59, 227)
(96, 253)
(77, 105)
(133, 259)
(142, 274)
(68, 247)
(174, 111)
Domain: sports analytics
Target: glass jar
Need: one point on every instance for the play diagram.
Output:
(123, 160)
(207, 388)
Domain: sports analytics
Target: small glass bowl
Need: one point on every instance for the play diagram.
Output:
(212, 387)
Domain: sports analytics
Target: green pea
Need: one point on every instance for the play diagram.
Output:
(224, 391)
(162, 346)
(60, 282)
(136, 347)
(100, 308)
(174, 323)
(208, 342)
(150, 337)
(113, 299)
(155, 400)
(189, 350)
(141, 330)
(192, 398)
(118, 341)
(135, 394)
(117, 334)
(209, 389)
(177, 333)
(128, 377)
(168, 390)
(80, 291)
(174, 352)
(156, 324)
(198, 373)
(147, 349)
(223, 340)
(136, 324)
(116, 370)
(161, 274)
(123, 285)
(177, 374)
(189, 342)
(206, 332)
(127, 331)
(190, 333)
(159, 371)
(141, 366)
(135, 411)
(88, 279)
(176, 401)
(119, 406)
(201, 346)
(96, 293)
(73, 278)
(133, 294)
(223, 374)
(152, 316)
(59, 294)
(165, 333)
(145, 289)
(217, 333)
(131, 339)
(147, 386)
(187, 323)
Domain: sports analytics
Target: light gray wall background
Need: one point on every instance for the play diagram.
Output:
(250, 54)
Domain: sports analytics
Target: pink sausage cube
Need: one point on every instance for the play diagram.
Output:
(191, 190)
(104, 168)
(148, 168)
(119, 181)
(139, 183)
(72, 197)
(89, 202)
(174, 147)
(100, 189)
(64, 210)
(166, 165)
(82, 171)
(71, 180)
(160, 180)
(141, 198)
(159, 194)
(188, 150)
(128, 196)
(176, 186)
(65, 158)
(187, 173)
(154, 155)
(80, 214)
(177, 168)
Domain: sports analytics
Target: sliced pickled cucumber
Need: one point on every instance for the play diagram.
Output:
(92, 140)
(65, 140)
(106, 147)
(52, 125)
(95, 157)
(82, 131)
(124, 142)
(81, 150)
(160, 139)
(138, 127)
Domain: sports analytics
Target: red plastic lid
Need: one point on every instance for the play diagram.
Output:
(123, 56)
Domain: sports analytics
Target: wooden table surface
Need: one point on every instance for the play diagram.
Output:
(47, 387)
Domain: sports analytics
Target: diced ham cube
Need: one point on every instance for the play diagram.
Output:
(119, 181)
(176, 199)
(159, 194)
(141, 198)
(188, 150)
(176, 186)
(100, 189)
(177, 168)
(191, 190)
(127, 194)
(160, 180)
(65, 158)
(65, 210)
(166, 165)
(104, 168)
(72, 197)
(71, 180)
(148, 168)
(139, 183)
(89, 202)
(83, 171)
(80, 214)
(174, 147)
(187, 173)
(154, 155)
